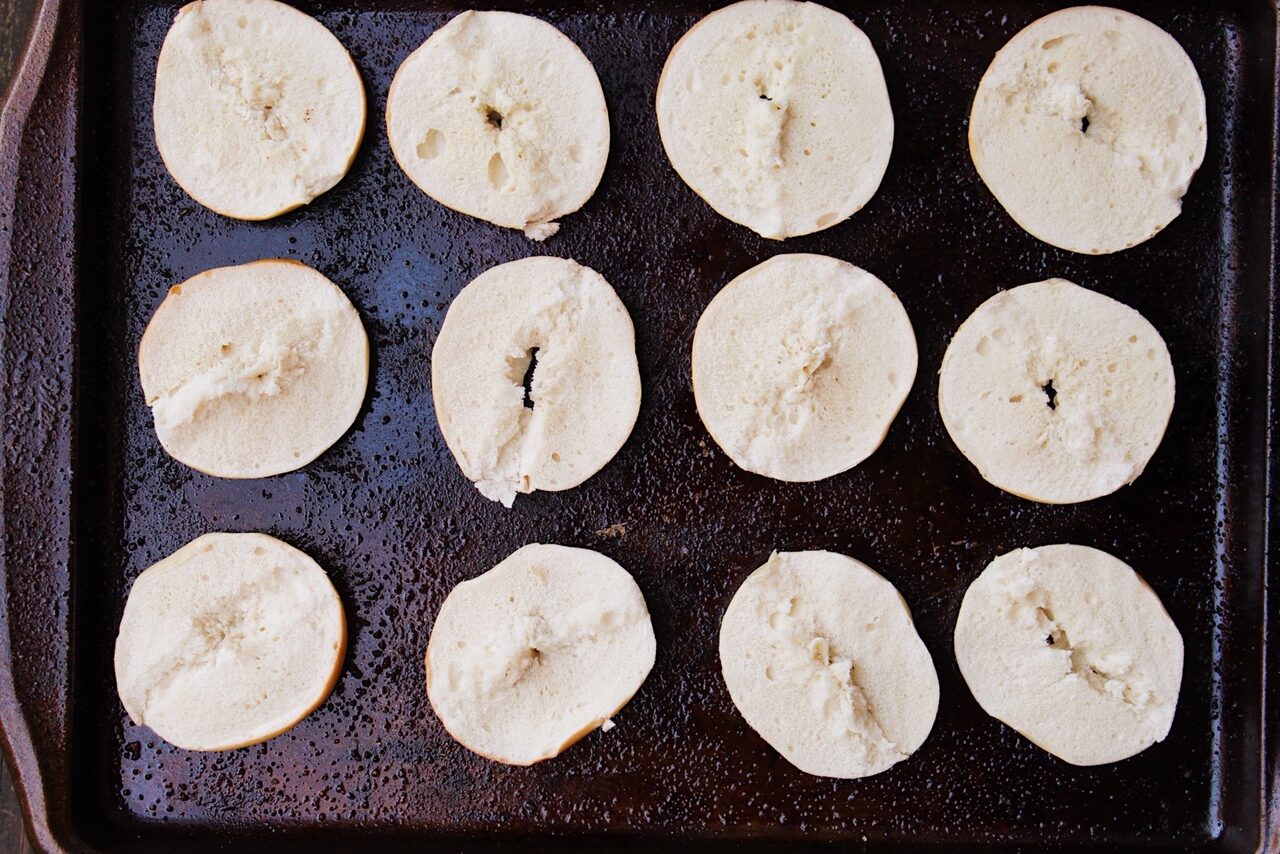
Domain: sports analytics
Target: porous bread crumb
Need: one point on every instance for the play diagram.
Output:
(258, 108)
(820, 656)
(563, 321)
(1056, 393)
(529, 657)
(1088, 127)
(500, 116)
(776, 113)
(1071, 648)
(800, 365)
(253, 370)
(229, 641)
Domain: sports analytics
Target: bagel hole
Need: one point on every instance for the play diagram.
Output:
(499, 177)
(527, 382)
(432, 144)
(1050, 394)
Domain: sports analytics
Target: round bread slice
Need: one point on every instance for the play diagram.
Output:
(228, 641)
(1087, 128)
(253, 370)
(258, 108)
(500, 116)
(822, 659)
(776, 113)
(1056, 393)
(800, 365)
(1067, 645)
(529, 657)
(557, 327)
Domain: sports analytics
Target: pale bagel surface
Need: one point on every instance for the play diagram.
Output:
(776, 113)
(1071, 648)
(584, 392)
(258, 108)
(253, 370)
(529, 657)
(822, 659)
(1088, 126)
(800, 365)
(500, 116)
(229, 641)
(1056, 393)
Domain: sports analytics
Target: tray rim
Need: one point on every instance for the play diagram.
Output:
(52, 54)
(46, 815)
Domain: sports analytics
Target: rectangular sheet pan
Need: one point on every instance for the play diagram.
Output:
(96, 231)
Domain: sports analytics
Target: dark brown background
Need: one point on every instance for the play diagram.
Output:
(15, 17)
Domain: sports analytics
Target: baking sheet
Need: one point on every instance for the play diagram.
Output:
(389, 515)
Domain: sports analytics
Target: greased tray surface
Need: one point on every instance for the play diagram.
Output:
(388, 514)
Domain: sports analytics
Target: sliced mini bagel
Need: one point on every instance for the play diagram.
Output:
(822, 659)
(800, 365)
(1071, 648)
(776, 113)
(230, 640)
(558, 326)
(253, 370)
(501, 117)
(258, 108)
(1088, 127)
(529, 657)
(1056, 393)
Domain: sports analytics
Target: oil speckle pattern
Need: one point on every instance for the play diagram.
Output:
(391, 518)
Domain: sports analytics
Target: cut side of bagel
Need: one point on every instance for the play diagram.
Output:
(776, 113)
(529, 657)
(500, 116)
(822, 659)
(1056, 393)
(1071, 648)
(534, 377)
(800, 365)
(253, 370)
(231, 640)
(1088, 127)
(258, 108)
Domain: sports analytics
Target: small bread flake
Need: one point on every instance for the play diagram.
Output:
(541, 230)
(607, 725)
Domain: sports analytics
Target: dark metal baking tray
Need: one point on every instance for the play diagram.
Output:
(96, 231)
